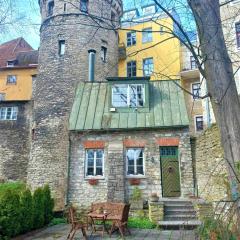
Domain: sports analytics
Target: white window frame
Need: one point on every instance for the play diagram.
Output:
(131, 38)
(94, 164)
(13, 116)
(128, 94)
(9, 76)
(148, 69)
(135, 165)
(147, 31)
(195, 122)
(199, 92)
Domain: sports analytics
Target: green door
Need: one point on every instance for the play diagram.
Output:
(170, 172)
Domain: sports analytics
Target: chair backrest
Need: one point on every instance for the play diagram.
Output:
(125, 213)
(72, 214)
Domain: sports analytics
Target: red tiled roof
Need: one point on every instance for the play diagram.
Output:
(9, 50)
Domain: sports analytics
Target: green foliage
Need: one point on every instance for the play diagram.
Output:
(20, 211)
(56, 221)
(26, 206)
(142, 223)
(215, 229)
(10, 213)
(136, 194)
(39, 211)
(48, 205)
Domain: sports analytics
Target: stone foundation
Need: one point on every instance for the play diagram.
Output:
(156, 211)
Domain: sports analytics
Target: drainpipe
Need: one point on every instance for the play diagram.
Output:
(91, 64)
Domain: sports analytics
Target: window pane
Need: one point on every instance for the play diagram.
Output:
(84, 5)
(130, 170)
(90, 154)
(148, 66)
(9, 113)
(99, 171)
(90, 172)
(119, 95)
(147, 35)
(99, 162)
(3, 112)
(140, 170)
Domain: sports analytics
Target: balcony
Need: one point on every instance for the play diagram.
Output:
(190, 70)
(122, 53)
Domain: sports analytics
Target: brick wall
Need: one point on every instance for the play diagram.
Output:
(115, 185)
(15, 142)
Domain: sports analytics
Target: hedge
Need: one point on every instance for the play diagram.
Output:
(21, 211)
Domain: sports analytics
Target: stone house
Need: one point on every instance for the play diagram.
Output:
(127, 132)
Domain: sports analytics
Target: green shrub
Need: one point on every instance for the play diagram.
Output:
(20, 211)
(48, 205)
(10, 213)
(142, 223)
(26, 206)
(38, 206)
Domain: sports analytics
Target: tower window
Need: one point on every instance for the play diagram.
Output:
(61, 47)
(237, 25)
(84, 6)
(50, 8)
(65, 7)
(104, 54)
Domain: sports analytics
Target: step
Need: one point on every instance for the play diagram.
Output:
(185, 213)
(179, 218)
(180, 223)
(182, 204)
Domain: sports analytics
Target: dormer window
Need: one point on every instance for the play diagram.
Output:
(130, 15)
(84, 6)
(149, 10)
(11, 63)
(128, 95)
(50, 8)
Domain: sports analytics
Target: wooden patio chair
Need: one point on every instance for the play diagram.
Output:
(76, 224)
(121, 221)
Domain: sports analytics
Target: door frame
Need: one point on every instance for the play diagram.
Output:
(179, 169)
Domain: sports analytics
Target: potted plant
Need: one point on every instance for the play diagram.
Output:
(154, 197)
(134, 181)
(93, 181)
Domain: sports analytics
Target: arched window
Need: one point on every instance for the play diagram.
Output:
(84, 6)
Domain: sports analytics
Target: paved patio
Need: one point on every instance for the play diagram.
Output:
(60, 232)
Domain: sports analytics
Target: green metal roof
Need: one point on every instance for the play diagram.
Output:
(91, 108)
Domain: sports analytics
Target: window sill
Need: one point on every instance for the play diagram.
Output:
(97, 178)
(136, 176)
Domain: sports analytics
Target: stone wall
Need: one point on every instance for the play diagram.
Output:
(56, 84)
(15, 142)
(211, 171)
(115, 185)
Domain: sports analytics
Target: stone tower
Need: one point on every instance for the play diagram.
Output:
(75, 35)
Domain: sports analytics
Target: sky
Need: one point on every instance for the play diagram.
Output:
(29, 11)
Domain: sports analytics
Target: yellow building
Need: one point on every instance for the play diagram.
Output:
(146, 48)
(17, 70)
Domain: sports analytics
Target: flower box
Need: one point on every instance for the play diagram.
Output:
(93, 181)
(134, 181)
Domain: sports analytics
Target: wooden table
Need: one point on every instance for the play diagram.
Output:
(101, 217)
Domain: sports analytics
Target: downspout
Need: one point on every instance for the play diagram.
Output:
(68, 173)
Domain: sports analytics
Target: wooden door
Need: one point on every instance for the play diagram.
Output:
(170, 172)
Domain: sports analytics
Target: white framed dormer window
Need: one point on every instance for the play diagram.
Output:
(149, 10)
(135, 162)
(94, 164)
(8, 113)
(128, 95)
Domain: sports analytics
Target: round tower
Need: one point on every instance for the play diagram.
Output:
(78, 43)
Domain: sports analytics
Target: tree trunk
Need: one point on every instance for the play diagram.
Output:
(220, 82)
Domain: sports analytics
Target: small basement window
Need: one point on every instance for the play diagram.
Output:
(128, 95)
(8, 113)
